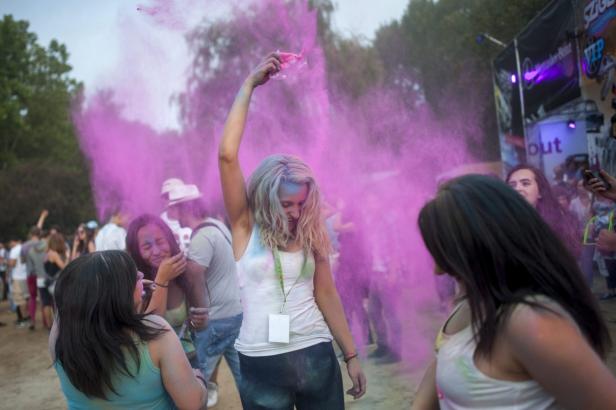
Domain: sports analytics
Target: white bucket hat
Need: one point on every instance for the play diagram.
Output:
(183, 193)
(169, 184)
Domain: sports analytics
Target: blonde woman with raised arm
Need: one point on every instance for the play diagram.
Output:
(292, 310)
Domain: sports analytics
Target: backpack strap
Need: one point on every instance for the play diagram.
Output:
(212, 225)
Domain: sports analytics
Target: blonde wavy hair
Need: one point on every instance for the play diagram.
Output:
(269, 214)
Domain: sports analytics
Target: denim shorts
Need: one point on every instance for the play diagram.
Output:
(309, 379)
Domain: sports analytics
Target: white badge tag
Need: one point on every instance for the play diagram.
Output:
(279, 328)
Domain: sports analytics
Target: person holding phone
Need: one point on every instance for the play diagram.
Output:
(109, 355)
(597, 185)
(291, 305)
(600, 183)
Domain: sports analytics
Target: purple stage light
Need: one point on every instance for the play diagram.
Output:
(514, 79)
(571, 124)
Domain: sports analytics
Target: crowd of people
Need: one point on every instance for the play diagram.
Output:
(142, 310)
(581, 219)
(30, 268)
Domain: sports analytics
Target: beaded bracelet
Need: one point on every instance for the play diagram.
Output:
(161, 285)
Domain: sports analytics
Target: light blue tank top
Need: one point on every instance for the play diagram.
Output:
(143, 391)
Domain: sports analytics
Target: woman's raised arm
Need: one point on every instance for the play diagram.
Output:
(232, 180)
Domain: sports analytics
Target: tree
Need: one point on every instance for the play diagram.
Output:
(436, 39)
(352, 68)
(37, 136)
(36, 93)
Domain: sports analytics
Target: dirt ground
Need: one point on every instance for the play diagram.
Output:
(28, 382)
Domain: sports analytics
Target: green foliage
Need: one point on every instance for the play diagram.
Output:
(34, 185)
(436, 40)
(433, 43)
(40, 161)
(352, 68)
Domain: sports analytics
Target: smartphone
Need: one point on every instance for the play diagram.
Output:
(588, 175)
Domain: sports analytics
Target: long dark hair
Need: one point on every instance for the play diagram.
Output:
(489, 238)
(563, 222)
(132, 242)
(98, 322)
(82, 246)
(56, 243)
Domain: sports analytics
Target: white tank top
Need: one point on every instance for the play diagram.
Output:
(261, 296)
(462, 386)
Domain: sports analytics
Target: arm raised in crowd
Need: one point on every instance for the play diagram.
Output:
(231, 177)
(42, 217)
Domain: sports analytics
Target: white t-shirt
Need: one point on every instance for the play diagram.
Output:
(4, 254)
(111, 237)
(19, 271)
(210, 247)
(182, 235)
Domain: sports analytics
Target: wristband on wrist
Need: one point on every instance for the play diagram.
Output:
(202, 380)
(349, 357)
(161, 285)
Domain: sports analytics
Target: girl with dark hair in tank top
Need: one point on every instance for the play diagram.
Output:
(106, 353)
(527, 332)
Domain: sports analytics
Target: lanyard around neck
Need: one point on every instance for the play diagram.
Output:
(278, 269)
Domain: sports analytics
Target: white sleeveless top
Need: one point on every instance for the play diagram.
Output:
(462, 386)
(261, 296)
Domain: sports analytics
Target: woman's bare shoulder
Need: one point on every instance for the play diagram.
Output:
(544, 324)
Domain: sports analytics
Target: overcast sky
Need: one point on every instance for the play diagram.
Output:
(93, 33)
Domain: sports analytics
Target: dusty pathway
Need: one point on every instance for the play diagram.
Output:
(28, 382)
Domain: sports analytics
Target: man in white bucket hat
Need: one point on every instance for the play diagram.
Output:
(182, 235)
(169, 185)
(210, 249)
